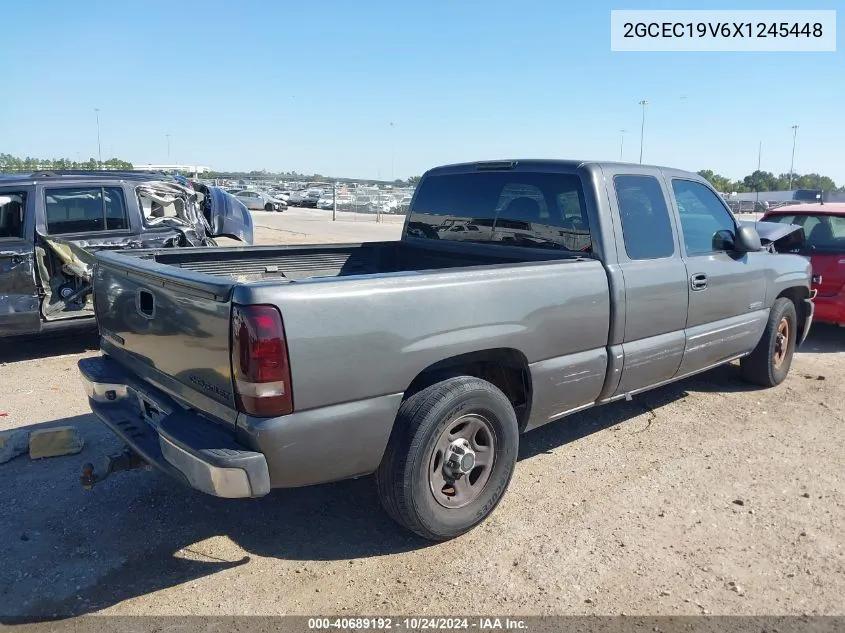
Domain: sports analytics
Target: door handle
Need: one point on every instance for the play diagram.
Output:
(698, 281)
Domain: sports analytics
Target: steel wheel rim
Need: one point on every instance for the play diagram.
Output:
(781, 342)
(458, 491)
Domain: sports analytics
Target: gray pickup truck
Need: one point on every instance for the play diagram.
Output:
(568, 285)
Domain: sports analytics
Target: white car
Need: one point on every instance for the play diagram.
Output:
(256, 200)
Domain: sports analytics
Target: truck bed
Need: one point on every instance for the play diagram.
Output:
(328, 260)
(391, 307)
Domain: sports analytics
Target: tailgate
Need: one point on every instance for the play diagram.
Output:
(169, 326)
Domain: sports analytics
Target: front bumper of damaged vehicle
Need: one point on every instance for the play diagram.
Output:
(176, 441)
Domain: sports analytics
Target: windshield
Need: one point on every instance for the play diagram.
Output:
(823, 232)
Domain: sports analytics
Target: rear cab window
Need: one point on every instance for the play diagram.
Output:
(541, 210)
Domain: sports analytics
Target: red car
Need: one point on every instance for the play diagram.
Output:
(824, 228)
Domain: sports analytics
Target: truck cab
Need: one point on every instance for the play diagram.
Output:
(51, 223)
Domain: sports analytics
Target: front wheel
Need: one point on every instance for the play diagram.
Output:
(268, 206)
(450, 457)
(769, 363)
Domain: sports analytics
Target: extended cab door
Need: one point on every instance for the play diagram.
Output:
(654, 274)
(727, 290)
(18, 293)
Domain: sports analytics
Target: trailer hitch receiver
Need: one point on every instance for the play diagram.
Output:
(127, 460)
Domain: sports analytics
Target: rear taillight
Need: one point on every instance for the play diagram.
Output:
(260, 361)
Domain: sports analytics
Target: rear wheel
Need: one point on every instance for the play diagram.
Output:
(450, 457)
(769, 363)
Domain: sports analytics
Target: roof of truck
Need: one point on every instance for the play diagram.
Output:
(74, 175)
(549, 164)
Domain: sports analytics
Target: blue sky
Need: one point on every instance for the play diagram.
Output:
(313, 86)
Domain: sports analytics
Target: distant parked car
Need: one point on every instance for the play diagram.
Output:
(824, 228)
(311, 197)
(260, 201)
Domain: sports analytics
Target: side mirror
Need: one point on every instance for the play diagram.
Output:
(747, 240)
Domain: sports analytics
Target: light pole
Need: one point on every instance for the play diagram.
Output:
(99, 148)
(168, 147)
(621, 143)
(392, 152)
(792, 162)
(759, 159)
(643, 103)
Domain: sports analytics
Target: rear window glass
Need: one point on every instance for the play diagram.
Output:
(504, 207)
(823, 232)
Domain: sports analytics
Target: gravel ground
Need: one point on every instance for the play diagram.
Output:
(706, 496)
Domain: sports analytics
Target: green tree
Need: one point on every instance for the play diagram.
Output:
(719, 182)
(760, 181)
(814, 181)
(413, 181)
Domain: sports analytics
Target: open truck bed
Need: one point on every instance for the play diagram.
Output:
(260, 263)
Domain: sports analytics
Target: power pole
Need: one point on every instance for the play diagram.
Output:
(621, 143)
(792, 162)
(643, 103)
(392, 152)
(99, 148)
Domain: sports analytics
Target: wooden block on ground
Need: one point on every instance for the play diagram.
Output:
(59, 440)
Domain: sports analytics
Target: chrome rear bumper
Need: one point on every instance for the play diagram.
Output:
(176, 441)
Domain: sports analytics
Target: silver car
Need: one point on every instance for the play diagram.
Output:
(256, 200)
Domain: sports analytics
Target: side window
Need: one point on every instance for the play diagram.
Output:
(706, 225)
(84, 209)
(646, 228)
(115, 209)
(12, 209)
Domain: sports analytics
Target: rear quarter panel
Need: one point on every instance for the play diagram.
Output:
(371, 336)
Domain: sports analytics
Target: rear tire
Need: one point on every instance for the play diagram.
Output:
(769, 363)
(415, 486)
